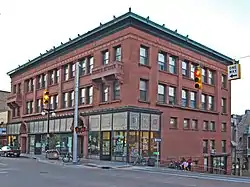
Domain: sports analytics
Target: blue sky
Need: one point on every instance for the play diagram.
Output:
(28, 28)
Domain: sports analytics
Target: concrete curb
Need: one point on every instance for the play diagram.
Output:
(106, 166)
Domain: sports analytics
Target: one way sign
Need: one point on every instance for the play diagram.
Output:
(233, 72)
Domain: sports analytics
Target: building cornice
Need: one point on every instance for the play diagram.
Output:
(117, 24)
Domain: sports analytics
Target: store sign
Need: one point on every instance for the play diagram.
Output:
(2, 131)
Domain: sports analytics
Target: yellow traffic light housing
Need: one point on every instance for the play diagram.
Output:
(45, 97)
(198, 78)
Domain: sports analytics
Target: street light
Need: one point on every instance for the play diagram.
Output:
(49, 112)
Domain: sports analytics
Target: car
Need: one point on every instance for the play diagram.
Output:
(10, 151)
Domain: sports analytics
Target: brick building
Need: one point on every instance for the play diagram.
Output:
(136, 84)
(4, 116)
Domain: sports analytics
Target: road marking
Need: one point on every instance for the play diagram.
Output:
(2, 164)
(206, 177)
(3, 172)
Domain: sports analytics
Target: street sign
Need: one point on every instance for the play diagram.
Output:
(157, 139)
(233, 72)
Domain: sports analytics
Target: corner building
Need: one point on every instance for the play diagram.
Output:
(136, 84)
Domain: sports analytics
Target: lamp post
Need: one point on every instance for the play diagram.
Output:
(48, 111)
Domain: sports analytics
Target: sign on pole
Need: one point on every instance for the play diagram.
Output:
(157, 139)
(233, 72)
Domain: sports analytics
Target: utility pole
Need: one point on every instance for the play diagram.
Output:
(75, 154)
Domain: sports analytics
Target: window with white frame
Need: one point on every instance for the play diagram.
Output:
(143, 55)
(184, 68)
(210, 103)
(161, 93)
(171, 95)
(184, 98)
(82, 97)
(210, 77)
(143, 90)
(193, 99)
(162, 61)
(203, 102)
(172, 64)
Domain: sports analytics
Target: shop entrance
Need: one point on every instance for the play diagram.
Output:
(80, 146)
(105, 152)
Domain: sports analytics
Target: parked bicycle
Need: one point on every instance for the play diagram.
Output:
(68, 157)
(140, 160)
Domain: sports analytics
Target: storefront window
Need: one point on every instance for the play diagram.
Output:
(144, 144)
(153, 144)
(94, 143)
(133, 140)
(119, 151)
(32, 143)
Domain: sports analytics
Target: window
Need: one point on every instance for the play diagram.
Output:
(210, 77)
(143, 90)
(29, 107)
(192, 70)
(184, 98)
(116, 89)
(212, 126)
(205, 146)
(105, 57)
(162, 61)
(71, 99)
(248, 142)
(223, 105)
(172, 65)
(39, 82)
(65, 100)
(184, 68)
(72, 70)
(38, 105)
(51, 102)
(173, 123)
(171, 94)
(118, 53)
(29, 85)
(105, 93)
(161, 93)
(90, 95)
(205, 125)
(212, 145)
(186, 124)
(223, 127)
(210, 103)
(57, 76)
(194, 124)
(90, 64)
(83, 65)
(192, 99)
(223, 146)
(51, 77)
(66, 72)
(203, 102)
(55, 101)
(82, 97)
(143, 55)
(223, 81)
(204, 75)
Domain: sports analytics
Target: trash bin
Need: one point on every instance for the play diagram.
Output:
(151, 162)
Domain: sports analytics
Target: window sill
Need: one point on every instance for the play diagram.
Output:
(109, 102)
(144, 65)
(173, 128)
(185, 108)
(226, 89)
(224, 114)
(54, 84)
(141, 101)
(211, 85)
(167, 72)
(85, 106)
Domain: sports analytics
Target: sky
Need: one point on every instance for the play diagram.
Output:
(28, 28)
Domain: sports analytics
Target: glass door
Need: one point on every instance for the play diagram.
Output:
(105, 153)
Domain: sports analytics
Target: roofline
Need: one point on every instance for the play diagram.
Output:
(225, 59)
(4, 91)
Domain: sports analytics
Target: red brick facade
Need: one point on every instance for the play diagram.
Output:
(177, 141)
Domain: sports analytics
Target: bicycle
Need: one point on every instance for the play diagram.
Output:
(140, 160)
(69, 157)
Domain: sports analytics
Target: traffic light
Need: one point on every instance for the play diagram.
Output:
(45, 97)
(198, 77)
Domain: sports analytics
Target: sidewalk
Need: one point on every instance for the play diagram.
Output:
(83, 162)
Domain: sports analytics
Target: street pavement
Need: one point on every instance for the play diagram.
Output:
(30, 172)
